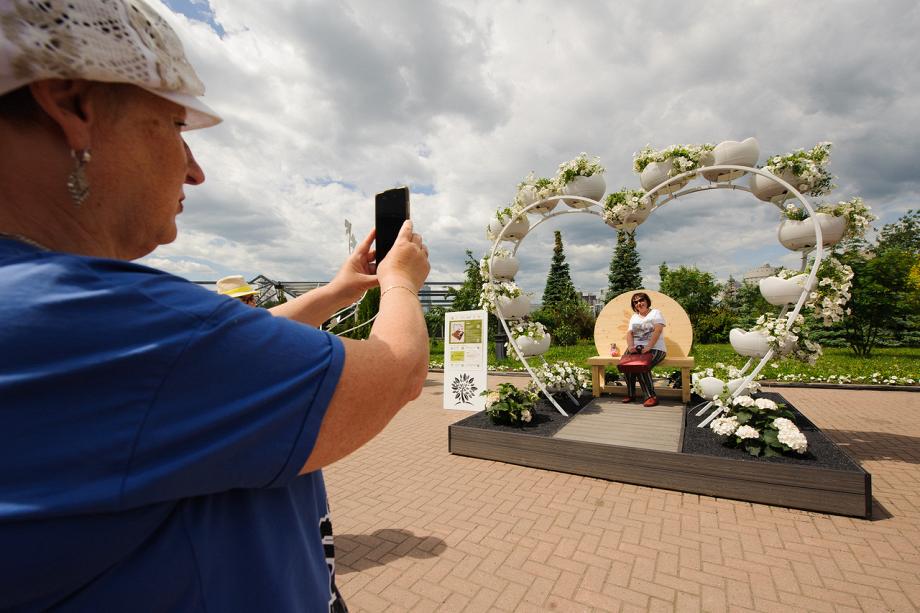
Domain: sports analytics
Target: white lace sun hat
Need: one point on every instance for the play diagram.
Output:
(113, 41)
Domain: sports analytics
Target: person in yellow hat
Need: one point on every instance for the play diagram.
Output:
(235, 286)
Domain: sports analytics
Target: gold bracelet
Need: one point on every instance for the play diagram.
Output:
(392, 287)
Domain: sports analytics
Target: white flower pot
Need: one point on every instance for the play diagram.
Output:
(544, 207)
(779, 292)
(734, 384)
(710, 387)
(751, 344)
(531, 347)
(656, 173)
(514, 308)
(797, 235)
(503, 268)
(516, 231)
(592, 187)
(767, 189)
(633, 220)
(733, 153)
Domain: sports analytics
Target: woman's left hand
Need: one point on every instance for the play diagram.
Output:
(645, 350)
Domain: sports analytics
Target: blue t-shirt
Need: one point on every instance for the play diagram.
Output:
(151, 433)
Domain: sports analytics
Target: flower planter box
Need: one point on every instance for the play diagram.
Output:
(750, 344)
(503, 268)
(780, 292)
(657, 173)
(796, 235)
(515, 232)
(592, 187)
(514, 308)
(733, 153)
(531, 347)
(829, 482)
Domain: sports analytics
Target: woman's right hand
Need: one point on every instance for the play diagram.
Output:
(406, 263)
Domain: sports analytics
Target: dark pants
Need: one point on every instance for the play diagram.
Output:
(644, 378)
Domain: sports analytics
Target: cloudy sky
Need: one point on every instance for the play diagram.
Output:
(328, 102)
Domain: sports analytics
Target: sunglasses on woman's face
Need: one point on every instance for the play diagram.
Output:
(639, 301)
(250, 299)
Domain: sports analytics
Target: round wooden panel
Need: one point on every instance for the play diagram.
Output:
(611, 324)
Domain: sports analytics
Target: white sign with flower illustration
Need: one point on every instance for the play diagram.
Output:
(466, 334)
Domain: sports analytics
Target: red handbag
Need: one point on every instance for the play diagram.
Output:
(635, 362)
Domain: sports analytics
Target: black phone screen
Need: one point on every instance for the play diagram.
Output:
(391, 210)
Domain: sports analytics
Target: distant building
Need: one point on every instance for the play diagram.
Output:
(761, 272)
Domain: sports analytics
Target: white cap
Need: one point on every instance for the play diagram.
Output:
(112, 41)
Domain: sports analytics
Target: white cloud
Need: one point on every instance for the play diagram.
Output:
(328, 102)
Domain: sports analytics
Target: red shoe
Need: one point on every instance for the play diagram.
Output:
(627, 400)
(651, 402)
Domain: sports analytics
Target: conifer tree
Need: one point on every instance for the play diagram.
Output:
(559, 287)
(625, 273)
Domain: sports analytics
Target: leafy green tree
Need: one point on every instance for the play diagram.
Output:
(559, 287)
(695, 291)
(883, 299)
(904, 234)
(434, 320)
(625, 273)
(467, 297)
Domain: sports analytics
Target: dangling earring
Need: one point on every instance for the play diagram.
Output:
(77, 183)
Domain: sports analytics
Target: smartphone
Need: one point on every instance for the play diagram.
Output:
(391, 210)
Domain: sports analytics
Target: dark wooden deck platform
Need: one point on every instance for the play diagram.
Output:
(583, 450)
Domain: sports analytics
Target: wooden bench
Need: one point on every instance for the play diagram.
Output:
(611, 325)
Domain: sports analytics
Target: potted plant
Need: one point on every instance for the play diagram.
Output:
(730, 152)
(502, 264)
(785, 287)
(718, 382)
(581, 177)
(626, 209)
(510, 405)
(804, 170)
(792, 343)
(656, 167)
(565, 377)
(797, 231)
(760, 427)
(531, 337)
(519, 225)
(535, 190)
(499, 293)
(856, 213)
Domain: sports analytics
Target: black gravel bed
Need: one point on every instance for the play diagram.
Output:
(822, 451)
(546, 420)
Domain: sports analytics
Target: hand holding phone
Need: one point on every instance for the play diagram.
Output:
(391, 209)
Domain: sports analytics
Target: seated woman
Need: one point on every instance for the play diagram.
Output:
(644, 335)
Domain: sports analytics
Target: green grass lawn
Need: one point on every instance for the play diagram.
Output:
(899, 365)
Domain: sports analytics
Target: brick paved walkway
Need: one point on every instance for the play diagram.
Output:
(418, 529)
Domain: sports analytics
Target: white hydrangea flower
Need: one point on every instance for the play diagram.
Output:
(745, 432)
(793, 438)
(765, 404)
(724, 426)
(743, 401)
